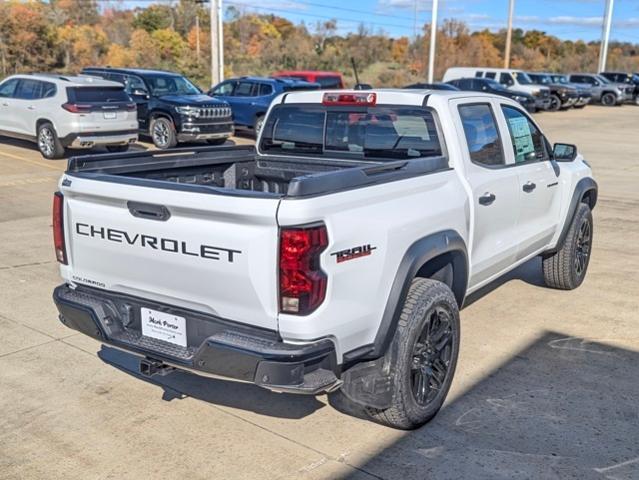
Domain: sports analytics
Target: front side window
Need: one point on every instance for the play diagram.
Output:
(8, 88)
(170, 85)
(528, 141)
(376, 132)
(482, 136)
(224, 88)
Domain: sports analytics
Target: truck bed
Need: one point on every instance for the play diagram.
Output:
(238, 170)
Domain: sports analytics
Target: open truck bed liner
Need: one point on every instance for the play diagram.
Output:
(239, 170)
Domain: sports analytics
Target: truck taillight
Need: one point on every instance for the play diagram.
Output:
(338, 98)
(302, 281)
(58, 228)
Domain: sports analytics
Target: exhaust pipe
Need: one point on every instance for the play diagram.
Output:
(150, 367)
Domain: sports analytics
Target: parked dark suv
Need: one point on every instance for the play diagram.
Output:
(171, 109)
(488, 85)
(250, 97)
(561, 95)
(623, 77)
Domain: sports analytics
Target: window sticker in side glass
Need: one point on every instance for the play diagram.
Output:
(522, 138)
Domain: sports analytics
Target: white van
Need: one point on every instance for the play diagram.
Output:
(510, 78)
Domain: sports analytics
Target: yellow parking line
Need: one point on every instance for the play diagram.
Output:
(34, 162)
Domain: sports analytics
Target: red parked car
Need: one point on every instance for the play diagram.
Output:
(325, 79)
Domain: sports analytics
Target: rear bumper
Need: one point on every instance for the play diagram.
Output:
(215, 346)
(92, 139)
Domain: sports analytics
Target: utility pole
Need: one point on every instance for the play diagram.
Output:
(605, 36)
(197, 36)
(433, 39)
(217, 39)
(415, 21)
(509, 33)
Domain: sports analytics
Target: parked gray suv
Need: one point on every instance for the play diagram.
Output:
(603, 90)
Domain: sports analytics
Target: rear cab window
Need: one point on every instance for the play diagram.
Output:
(377, 132)
(97, 94)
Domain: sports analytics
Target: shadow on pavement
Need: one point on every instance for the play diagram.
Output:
(245, 396)
(529, 272)
(560, 408)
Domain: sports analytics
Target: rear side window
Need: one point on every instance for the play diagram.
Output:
(482, 136)
(380, 132)
(490, 75)
(97, 94)
(479, 74)
(29, 89)
(244, 89)
(528, 142)
(265, 89)
(506, 79)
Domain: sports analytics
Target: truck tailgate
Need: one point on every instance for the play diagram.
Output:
(212, 253)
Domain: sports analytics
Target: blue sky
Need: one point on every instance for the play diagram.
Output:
(567, 19)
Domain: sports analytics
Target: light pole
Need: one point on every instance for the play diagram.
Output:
(509, 33)
(605, 36)
(217, 42)
(433, 39)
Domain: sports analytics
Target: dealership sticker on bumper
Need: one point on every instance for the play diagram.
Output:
(163, 326)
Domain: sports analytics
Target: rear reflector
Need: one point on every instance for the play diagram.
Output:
(302, 282)
(75, 108)
(336, 98)
(58, 228)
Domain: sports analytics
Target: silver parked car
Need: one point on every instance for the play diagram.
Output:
(59, 112)
(603, 90)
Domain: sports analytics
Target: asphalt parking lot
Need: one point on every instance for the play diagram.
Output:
(547, 384)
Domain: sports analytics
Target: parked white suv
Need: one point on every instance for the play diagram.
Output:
(59, 112)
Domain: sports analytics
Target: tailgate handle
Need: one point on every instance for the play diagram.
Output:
(149, 211)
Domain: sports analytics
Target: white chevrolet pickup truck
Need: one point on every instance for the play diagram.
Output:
(332, 257)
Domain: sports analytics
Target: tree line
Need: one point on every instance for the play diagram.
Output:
(66, 35)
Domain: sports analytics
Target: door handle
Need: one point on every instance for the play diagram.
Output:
(5, 104)
(528, 187)
(487, 198)
(31, 107)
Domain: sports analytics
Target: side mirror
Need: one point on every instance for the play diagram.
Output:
(564, 152)
(140, 92)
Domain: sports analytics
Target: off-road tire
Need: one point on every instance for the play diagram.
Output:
(555, 103)
(609, 99)
(117, 148)
(49, 144)
(163, 134)
(561, 268)
(216, 141)
(426, 301)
